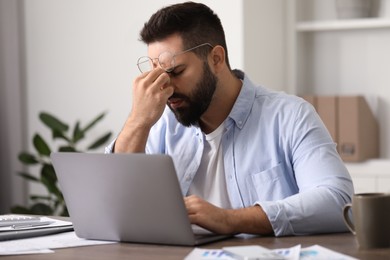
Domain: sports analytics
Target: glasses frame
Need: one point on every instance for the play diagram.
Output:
(148, 59)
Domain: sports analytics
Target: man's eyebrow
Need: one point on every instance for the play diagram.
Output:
(180, 66)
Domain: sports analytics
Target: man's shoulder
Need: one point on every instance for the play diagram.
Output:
(264, 94)
(258, 100)
(277, 99)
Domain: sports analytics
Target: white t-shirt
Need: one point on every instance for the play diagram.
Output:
(209, 182)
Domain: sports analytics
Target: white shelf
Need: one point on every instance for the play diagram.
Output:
(370, 176)
(323, 51)
(372, 167)
(353, 24)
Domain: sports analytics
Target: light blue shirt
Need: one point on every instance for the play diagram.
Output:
(277, 154)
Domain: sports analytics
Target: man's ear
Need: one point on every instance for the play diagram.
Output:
(217, 57)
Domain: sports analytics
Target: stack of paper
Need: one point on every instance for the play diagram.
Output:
(255, 252)
(18, 226)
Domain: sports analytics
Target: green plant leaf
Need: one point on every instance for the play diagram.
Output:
(40, 197)
(42, 209)
(20, 210)
(53, 203)
(93, 122)
(41, 146)
(48, 173)
(49, 179)
(67, 149)
(53, 123)
(27, 158)
(78, 134)
(64, 212)
(57, 192)
(52, 188)
(57, 134)
(28, 176)
(100, 141)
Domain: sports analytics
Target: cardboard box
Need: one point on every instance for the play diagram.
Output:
(311, 99)
(327, 110)
(326, 107)
(358, 131)
(351, 124)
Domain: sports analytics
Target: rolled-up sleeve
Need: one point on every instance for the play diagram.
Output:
(323, 181)
(110, 148)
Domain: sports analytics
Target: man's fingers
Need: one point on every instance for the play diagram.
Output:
(162, 80)
(193, 204)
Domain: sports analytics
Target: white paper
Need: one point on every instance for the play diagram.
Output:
(208, 254)
(37, 244)
(292, 253)
(252, 252)
(320, 252)
(28, 252)
(315, 252)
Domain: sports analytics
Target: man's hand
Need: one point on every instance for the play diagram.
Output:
(227, 221)
(208, 216)
(151, 91)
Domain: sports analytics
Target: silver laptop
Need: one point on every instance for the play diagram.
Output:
(126, 197)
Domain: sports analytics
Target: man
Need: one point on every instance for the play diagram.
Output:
(249, 160)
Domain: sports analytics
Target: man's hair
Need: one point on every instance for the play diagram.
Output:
(196, 24)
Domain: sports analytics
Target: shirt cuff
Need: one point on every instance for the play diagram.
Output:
(110, 148)
(277, 217)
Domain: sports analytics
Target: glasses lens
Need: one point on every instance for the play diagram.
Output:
(145, 64)
(166, 61)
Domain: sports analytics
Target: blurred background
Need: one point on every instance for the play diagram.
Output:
(77, 58)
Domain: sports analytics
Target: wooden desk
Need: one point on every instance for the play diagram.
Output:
(343, 243)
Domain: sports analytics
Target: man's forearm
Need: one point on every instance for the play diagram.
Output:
(251, 220)
(132, 139)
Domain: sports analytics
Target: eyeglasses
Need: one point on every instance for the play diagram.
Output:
(166, 60)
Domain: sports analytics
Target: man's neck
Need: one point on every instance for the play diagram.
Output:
(225, 96)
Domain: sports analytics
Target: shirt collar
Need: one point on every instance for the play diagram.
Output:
(244, 102)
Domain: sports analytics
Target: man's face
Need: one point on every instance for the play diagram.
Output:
(196, 103)
(193, 81)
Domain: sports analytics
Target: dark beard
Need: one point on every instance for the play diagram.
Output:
(198, 101)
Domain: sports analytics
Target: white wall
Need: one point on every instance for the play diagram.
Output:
(265, 42)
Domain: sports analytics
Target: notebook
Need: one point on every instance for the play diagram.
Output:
(23, 226)
(126, 197)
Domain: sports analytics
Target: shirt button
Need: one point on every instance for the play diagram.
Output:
(188, 178)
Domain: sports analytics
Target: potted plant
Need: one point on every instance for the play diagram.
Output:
(53, 203)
